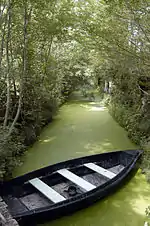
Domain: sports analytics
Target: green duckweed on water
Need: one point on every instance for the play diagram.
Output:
(84, 128)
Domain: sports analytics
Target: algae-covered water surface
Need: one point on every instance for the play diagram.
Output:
(84, 128)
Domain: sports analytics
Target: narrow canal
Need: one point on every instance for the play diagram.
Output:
(84, 128)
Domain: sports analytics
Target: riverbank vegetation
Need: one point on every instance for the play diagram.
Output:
(49, 48)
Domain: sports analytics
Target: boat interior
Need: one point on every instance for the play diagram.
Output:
(62, 184)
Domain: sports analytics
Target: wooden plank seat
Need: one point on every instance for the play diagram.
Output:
(46, 190)
(76, 179)
(100, 170)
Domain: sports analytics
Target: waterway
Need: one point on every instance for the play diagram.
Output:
(82, 128)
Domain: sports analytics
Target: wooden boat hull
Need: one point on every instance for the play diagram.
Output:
(107, 160)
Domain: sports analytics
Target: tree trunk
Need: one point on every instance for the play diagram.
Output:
(24, 69)
(3, 31)
(8, 66)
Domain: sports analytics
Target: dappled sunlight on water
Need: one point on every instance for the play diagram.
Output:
(97, 109)
(49, 139)
(98, 147)
(78, 131)
(93, 106)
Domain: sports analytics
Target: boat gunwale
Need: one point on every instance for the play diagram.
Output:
(111, 183)
(45, 169)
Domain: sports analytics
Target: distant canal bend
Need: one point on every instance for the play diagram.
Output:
(85, 128)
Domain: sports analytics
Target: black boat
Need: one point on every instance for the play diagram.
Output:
(62, 188)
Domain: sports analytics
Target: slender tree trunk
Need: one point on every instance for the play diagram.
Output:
(50, 47)
(15, 89)
(8, 67)
(23, 72)
(48, 54)
(2, 42)
(12, 66)
(3, 23)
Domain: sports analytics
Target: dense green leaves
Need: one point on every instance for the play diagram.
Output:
(49, 48)
(41, 64)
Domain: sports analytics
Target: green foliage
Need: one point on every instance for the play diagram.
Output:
(125, 50)
(126, 104)
(10, 149)
(49, 48)
(41, 63)
(131, 121)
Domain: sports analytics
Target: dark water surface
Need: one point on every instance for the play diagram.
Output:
(85, 128)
